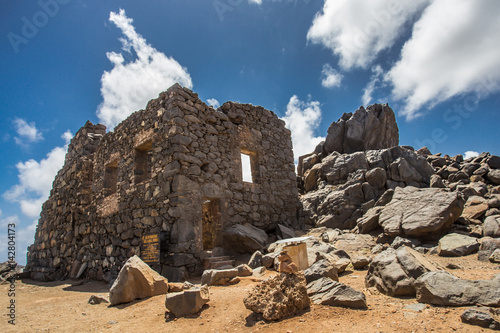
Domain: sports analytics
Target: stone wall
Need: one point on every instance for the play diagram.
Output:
(175, 169)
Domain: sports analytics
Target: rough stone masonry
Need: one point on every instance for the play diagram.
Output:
(175, 169)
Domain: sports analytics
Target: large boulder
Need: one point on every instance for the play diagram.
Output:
(326, 291)
(187, 302)
(278, 297)
(443, 289)
(136, 280)
(421, 212)
(245, 238)
(371, 128)
(393, 272)
(321, 268)
(494, 176)
(457, 245)
(491, 226)
(487, 247)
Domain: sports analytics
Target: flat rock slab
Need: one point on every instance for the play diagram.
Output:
(442, 288)
(457, 245)
(187, 302)
(483, 319)
(326, 291)
(421, 212)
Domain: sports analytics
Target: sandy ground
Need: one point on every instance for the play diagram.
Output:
(63, 307)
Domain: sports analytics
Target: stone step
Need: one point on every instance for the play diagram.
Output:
(218, 262)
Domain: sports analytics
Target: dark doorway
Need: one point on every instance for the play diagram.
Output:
(211, 221)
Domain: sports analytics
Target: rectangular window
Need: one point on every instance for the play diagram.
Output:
(246, 168)
(249, 166)
(110, 178)
(142, 162)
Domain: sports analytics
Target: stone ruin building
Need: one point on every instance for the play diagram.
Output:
(174, 169)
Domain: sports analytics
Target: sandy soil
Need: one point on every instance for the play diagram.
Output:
(63, 307)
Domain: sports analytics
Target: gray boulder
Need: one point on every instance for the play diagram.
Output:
(321, 268)
(284, 232)
(256, 260)
(326, 291)
(443, 289)
(495, 256)
(483, 319)
(187, 302)
(393, 272)
(487, 247)
(245, 238)
(371, 128)
(136, 280)
(421, 212)
(491, 226)
(457, 245)
(494, 176)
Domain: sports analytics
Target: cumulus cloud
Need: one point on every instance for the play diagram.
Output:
(376, 79)
(213, 102)
(453, 50)
(67, 136)
(357, 30)
(302, 119)
(35, 181)
(330, 77)
(130, 85)
(470, 153)
(27, 132)
(24, 237)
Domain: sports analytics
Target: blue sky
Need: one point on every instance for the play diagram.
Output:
(63, 62)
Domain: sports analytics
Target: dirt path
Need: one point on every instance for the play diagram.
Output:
(61, 307)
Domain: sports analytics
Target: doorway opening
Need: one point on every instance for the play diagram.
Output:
(211, 223)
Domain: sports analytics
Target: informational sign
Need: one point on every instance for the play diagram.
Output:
(150, 249)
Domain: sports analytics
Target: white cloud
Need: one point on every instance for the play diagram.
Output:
(331, 78)
(357, 30)
(35, 181)
(302, 119)
(453, 50)
(213, 102)
(67, 136)
(23, 238)
(28, 133)
(375, 82)
(258, 2)
(470, 153)
(130, 85)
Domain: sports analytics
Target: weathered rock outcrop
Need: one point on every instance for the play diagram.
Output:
(136, 280)
(278, 297)
(394, 272)
(371, 128)
(442, 288)
(341, 188)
